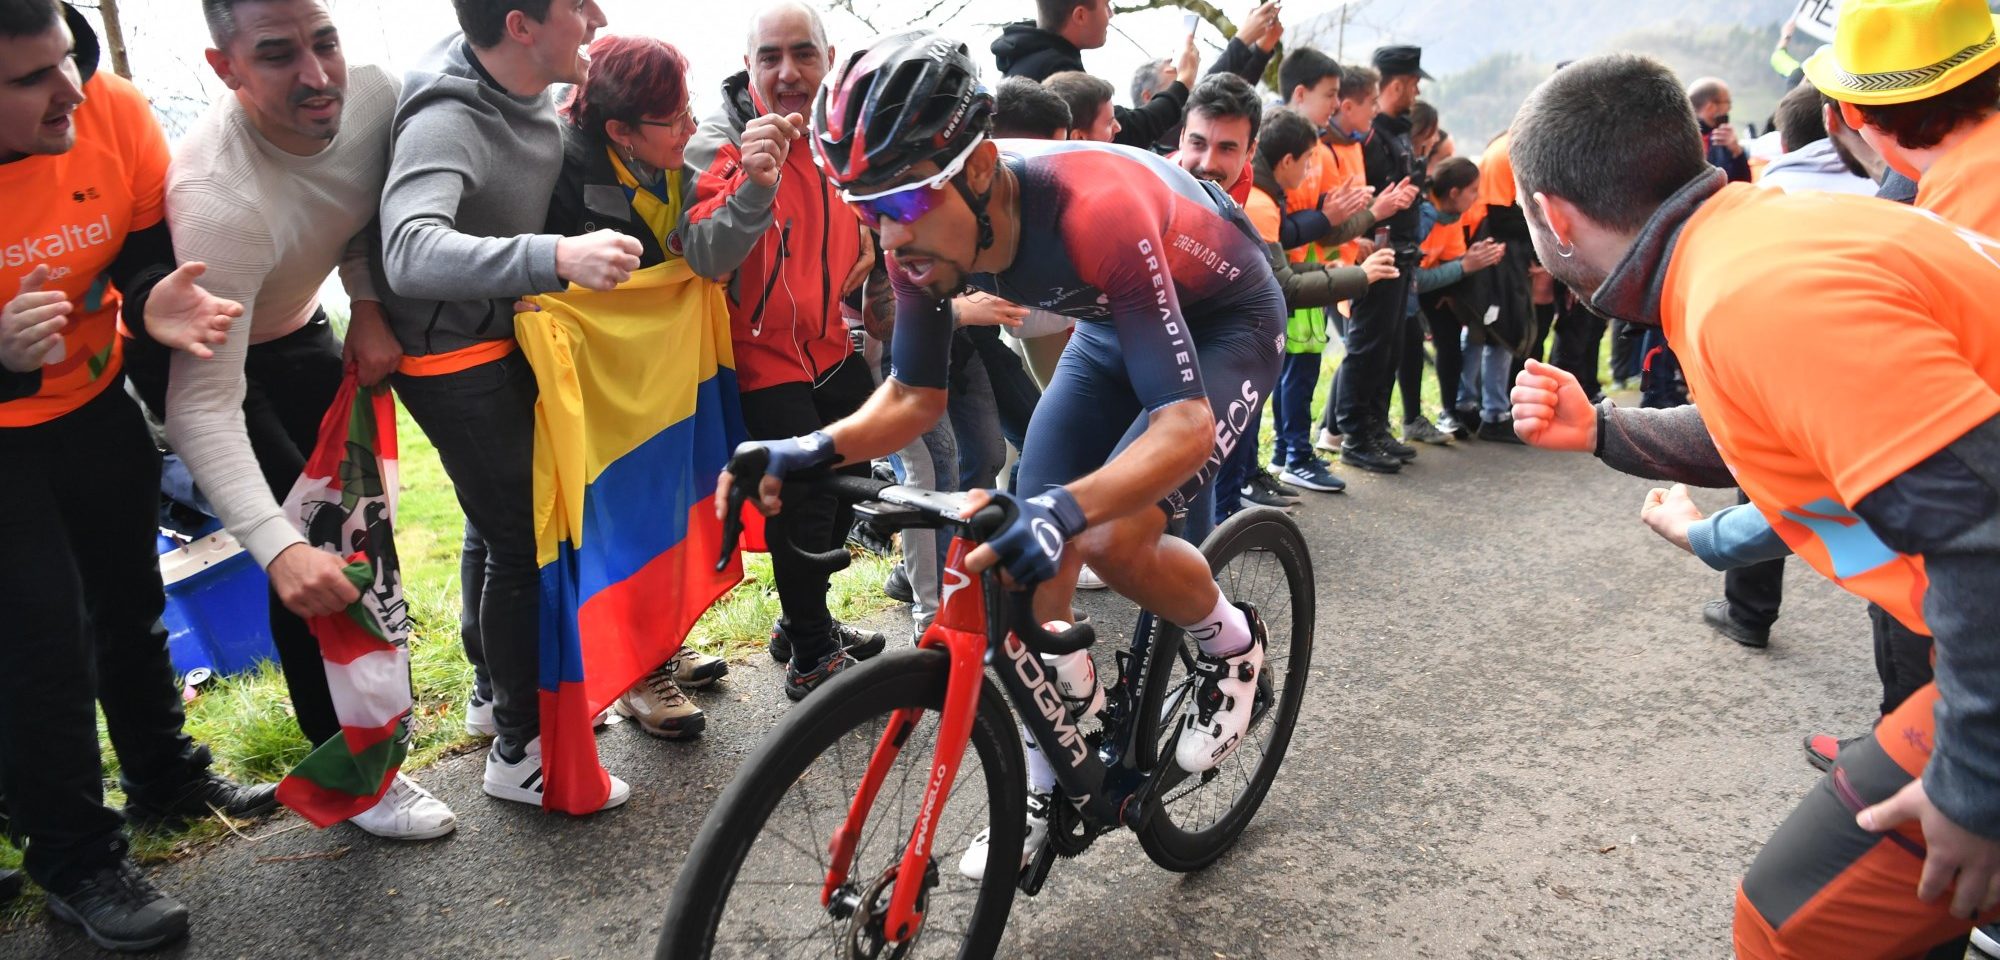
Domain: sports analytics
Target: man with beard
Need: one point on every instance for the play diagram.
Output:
(275, 188)
(476, 152)
(765, 217)
(1176, 343)
(1779, 305)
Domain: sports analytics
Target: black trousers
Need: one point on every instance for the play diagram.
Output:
(288, 385)
(1579, 341)
(1754, 592)
(1902, 658)
(816, 523)
(1410, 367)
(482, 422)
(1446, 328)
(80, 584)
(1375, 335)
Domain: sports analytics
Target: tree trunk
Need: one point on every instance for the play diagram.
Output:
(114, 38)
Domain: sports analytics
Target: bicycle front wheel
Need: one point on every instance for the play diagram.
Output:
(1259, 557)
(752, 883)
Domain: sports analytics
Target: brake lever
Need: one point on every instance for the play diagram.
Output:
(746, 474)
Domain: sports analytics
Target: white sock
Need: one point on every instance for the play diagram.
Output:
(1041, 776)
(1225, 632)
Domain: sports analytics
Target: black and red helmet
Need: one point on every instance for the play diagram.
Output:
(907, 98)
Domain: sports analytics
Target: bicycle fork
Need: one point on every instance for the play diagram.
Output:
(959, 630)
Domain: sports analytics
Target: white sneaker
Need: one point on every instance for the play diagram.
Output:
(478, 716)
(1987, 939)
(522, 782)
(1225, 691)
(1089, 580)
(406, 812)
(972, 866)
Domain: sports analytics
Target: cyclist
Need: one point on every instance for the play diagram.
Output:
(1177, 341)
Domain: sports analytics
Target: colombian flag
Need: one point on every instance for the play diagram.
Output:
(638, 413)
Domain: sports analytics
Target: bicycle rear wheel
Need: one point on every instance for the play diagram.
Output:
(1259, 557)
(751, 886)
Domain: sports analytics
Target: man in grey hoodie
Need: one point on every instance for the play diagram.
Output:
(476, 153)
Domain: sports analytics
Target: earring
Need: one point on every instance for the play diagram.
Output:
(1565, 250)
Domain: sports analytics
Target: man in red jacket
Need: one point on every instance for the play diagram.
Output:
(764, 218)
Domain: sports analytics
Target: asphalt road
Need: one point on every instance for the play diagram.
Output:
(1520, 741)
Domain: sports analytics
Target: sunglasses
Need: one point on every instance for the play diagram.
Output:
(909, 203)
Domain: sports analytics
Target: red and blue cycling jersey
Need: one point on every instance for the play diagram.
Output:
(1117, 236)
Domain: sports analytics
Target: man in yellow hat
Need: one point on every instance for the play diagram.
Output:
(1920, 80)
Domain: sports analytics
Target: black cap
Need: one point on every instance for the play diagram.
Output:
(1400, 60)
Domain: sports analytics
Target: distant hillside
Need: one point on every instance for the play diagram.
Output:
(1479, 101)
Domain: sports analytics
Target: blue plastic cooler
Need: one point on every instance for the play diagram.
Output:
(218, 604)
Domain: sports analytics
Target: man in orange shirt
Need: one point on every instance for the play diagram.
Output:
(1779, 307)
(83, 165)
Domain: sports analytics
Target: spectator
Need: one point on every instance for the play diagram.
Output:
(275, 188)
(1054, 43)
(475, 156)
(1425, 138)
(1503, 297)
(1710, 98)
(1150, 78)
(1810, 160)
(1448, 260)
(794, 362)
(1375, 330)
(624, 167)
(1090, 107)
(81, 587)
(1284, 148)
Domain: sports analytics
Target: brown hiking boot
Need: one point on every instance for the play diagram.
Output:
(657, 704)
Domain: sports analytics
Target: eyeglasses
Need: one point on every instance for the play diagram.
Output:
(909, 203)
(686, 114)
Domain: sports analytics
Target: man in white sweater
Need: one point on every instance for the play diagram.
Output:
(274, 189)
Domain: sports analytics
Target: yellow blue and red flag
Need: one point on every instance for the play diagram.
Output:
(637, 415)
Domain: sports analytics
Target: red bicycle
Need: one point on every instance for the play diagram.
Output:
(828, 840)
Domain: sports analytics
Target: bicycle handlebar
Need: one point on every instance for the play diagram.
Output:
(747, 467)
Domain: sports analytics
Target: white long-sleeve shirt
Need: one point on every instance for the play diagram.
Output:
(271, 226)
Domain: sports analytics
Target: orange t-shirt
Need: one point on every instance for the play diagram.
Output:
(1496, 172)
(1834, 342)
(72, 211)
(1264, 214)
(1349, 170)
(1445, 243)
(1963, 186)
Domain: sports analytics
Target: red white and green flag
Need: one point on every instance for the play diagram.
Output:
(345, 503)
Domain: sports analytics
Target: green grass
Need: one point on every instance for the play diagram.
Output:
(247, 720)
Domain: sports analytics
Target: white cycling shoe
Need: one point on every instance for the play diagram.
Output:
(1224, 694)
(972, 866)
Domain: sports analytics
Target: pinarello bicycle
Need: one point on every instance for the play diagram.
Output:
(828, 841)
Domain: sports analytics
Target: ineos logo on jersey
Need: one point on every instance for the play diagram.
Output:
(1234, 423)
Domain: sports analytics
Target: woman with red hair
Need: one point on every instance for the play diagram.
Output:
(623, 170)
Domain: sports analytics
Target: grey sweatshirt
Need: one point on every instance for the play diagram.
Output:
(471, 171)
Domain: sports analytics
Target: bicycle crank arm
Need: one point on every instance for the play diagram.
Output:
(1037, 870)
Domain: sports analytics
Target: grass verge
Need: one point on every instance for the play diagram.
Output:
(247, 720)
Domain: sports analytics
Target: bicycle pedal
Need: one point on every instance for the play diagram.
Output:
(1037, 870)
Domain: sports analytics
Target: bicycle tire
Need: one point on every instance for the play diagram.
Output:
(1270, 532)
(848, 703)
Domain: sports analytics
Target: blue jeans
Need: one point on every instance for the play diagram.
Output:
(1298, 376)
(992, 399)
(1485, 376)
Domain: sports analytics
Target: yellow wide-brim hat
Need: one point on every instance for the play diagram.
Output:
(1899, 51)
